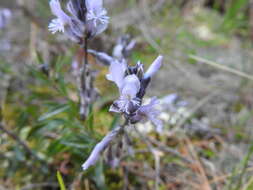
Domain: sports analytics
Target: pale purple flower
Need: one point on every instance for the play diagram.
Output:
(86, 17)
(127, 101)
(132, 86)
(69, 25)
(129, 86)
(100, 147)
(97, 19)
(58, 24)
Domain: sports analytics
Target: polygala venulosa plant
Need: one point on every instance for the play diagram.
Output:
(86, 19)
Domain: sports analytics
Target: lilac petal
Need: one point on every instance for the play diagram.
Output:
(149, 109)
(117, 51)
(56, 26)
(72, 10)
(122, 106)
(155, 66)
(131, 45)
(72, 35)
(77, 28)
(97, 22)
(115, 109)
(78, 10)
(101, 27)
(131, 86)
(57, 11)
(100, 147)
(148, 112)
(94, 5)
(157, 123)
(125, 105)
(153, 102)
(117, 72)
(170, 99)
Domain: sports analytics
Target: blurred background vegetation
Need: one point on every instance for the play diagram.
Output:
(41, 132)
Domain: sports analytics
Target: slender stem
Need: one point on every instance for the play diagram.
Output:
(83, 86)
(86, 51)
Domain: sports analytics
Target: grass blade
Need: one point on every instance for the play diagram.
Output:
(60, 181)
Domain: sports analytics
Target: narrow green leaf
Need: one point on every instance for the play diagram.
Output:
(54, 112)
(60, 181)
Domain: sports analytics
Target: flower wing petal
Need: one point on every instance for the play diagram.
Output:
(117, 72)
(94, 5)
(58, 12)
(149, 112)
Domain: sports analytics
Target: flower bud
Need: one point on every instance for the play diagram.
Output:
(155, 66)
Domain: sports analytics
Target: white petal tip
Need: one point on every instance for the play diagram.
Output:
(84, 167)
(114, 109)
(87, 165)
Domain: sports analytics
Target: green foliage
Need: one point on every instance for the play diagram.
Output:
(50, 122)
(237, 178)
(235, 17)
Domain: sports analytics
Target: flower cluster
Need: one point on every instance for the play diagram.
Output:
(85, 18)
(132, 83)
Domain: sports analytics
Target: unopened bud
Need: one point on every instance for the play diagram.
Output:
(155, 66)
